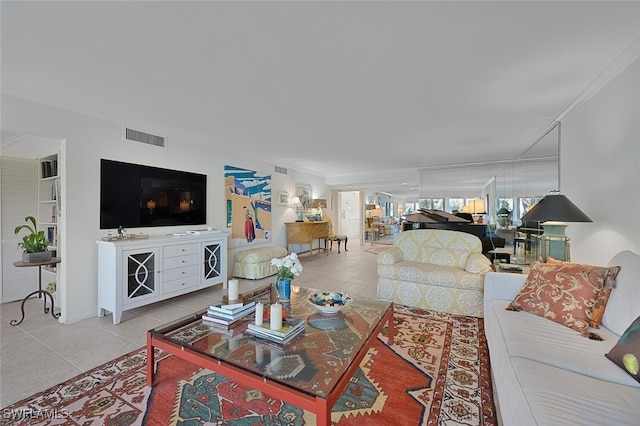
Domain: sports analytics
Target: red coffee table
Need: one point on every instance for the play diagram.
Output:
(333, 344)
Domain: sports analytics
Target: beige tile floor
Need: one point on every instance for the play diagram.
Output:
(40, 352)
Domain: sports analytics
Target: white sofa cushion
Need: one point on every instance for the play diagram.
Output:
(620, 313)
(560, 397)
(539, 339)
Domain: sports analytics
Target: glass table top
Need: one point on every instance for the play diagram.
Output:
(313, 362)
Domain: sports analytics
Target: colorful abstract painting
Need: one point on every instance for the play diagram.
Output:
(248, 195)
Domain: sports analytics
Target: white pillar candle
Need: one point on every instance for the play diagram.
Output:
(275, 323)
(259, 313)
(259, 354)
(233, 289)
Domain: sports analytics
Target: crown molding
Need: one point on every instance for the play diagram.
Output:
(629, 56)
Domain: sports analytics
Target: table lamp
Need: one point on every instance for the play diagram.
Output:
(503, 216)
(298, 205)
(554, 210)
(377, 212)
(476, 208)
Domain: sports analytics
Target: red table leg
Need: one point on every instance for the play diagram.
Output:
(323, 413)
(150, 361)
(390, 328)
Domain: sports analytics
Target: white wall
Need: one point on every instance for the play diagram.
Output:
(600, 165)
(88, 140)
(600, 169)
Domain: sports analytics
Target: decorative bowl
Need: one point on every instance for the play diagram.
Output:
(329, 302)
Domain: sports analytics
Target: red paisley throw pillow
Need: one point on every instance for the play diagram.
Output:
(562, 292)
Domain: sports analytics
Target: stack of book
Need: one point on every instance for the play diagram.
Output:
(509, 267)
(228, 314)
(291, 327)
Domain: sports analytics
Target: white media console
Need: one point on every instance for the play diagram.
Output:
(137, 272)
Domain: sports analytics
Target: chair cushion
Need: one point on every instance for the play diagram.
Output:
(428, 273)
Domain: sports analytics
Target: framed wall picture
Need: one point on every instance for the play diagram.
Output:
(248, 206)
(283, 198)
(303, 192)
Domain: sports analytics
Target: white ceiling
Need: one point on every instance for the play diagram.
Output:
(336, 88)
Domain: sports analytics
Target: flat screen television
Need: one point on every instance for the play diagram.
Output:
(135, 196)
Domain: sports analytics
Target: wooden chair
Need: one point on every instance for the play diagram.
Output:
(335, 237)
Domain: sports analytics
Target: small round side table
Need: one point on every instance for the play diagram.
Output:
(40, 292)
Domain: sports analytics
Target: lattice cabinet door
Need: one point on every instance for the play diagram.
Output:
(212, 262)
(141, 274)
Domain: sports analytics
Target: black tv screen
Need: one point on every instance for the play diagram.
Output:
(135, 196)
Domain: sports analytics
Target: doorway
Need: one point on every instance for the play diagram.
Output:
(26, 191)
(349, 214)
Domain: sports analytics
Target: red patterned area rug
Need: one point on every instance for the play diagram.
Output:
(436, 373)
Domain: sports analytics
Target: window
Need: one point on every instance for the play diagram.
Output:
(456, 204)
(409, 208)
(526, 203)
(507, 203)
(431, 203)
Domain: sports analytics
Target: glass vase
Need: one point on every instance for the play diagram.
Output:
(283, 288)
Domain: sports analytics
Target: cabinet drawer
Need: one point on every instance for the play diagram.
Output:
(177, 273)
(179, 261)
(180, 250)
(179, 284)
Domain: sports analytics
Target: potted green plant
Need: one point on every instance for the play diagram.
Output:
(34, 245)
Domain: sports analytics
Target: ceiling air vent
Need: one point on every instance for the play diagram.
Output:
(148, 138)
(282, 170)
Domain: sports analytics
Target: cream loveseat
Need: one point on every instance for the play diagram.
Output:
(545, 373)
(438, 270)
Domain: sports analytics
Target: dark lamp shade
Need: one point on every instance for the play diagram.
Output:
(503, 212)
(555, 207)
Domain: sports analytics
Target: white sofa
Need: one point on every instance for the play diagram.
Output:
(547, 374)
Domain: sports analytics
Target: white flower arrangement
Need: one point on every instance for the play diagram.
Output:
(288, 266)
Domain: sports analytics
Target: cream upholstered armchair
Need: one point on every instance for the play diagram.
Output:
(438, 270)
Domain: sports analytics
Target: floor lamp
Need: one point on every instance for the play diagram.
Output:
(554, 211)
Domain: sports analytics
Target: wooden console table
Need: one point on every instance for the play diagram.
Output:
(306, 232)
(40, 292)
